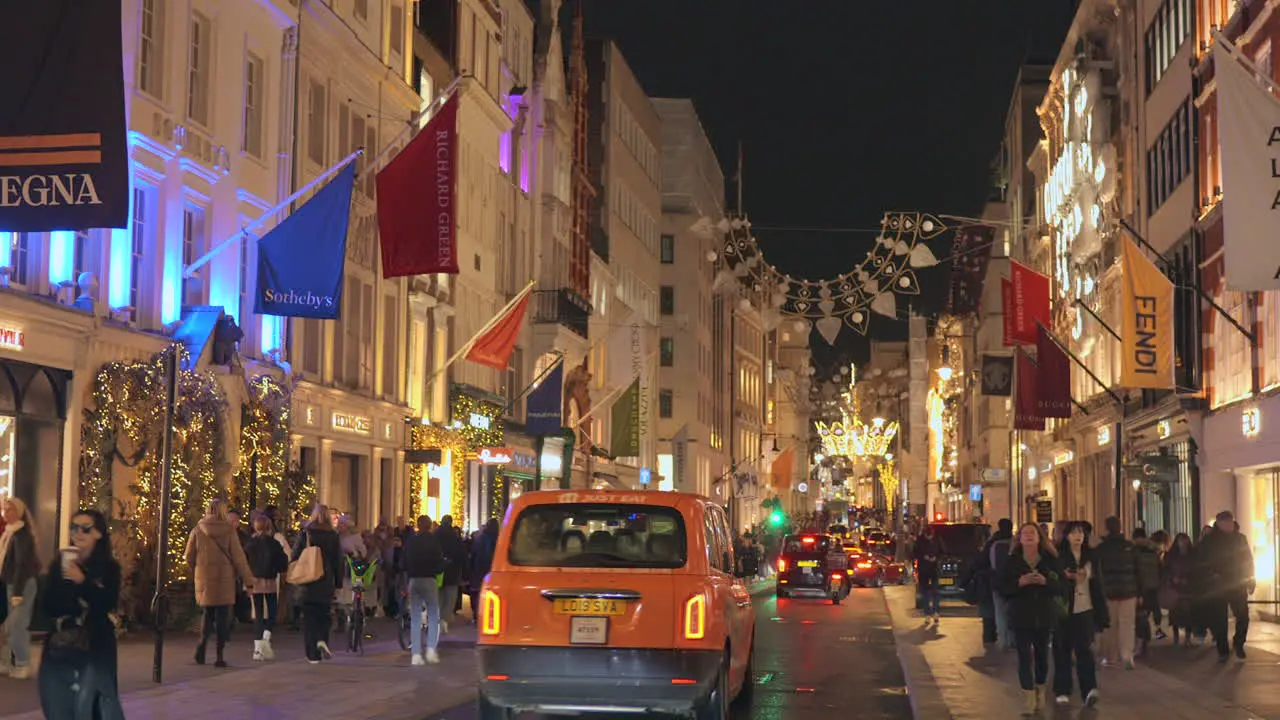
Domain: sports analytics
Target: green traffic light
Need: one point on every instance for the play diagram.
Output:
(776, 518)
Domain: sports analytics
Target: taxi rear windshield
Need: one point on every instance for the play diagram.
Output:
(806, 544)
(604, 535)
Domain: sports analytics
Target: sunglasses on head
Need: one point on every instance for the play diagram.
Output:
(86, 528)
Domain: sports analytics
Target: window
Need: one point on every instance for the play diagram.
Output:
(246, 262)
(1270, 323)
(607, 535)
(362, 9)
(20, 259)
(371, 143)
(311, 333)
(143, 211)
(151, 49)
(1169, 158)
(667, 300)
(199, 71)
(666, 402)
(254, 91)
(1263, 60)
(668, 249)
(1232, 366)
(667, 351)
(397, 30)
(193, 246)
(1170, 28)
(316, 107)
(390, 347)
(82, 255)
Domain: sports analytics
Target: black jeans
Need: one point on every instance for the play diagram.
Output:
(1074, 636)
(1216, 614)
(217, 621)
(265, 606)
(1033, 654)
(315, 628)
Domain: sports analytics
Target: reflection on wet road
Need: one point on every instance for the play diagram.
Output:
(814, 657)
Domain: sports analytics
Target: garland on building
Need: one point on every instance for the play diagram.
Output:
(462, 407)
(264, 444)
(453, 446)
(126, 422)
(497, 498)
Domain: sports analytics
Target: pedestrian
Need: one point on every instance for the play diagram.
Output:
(1087, 612)
(1159, 539)
(317, 595)
(455, 560)
(1149, 580)
(1227, 564)
(268, 561)
(243, 611)
(423, 563)
(485, 546)
(217, 559)
(1117, 563)
(19, 568)
(997, 551)
(1036, 589)
(78, 668)
(926, 557)
(1178, 592)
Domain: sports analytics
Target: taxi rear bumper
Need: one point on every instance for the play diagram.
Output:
(587, 680)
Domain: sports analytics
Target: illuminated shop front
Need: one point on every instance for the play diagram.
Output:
(435, 462)
(477, 417)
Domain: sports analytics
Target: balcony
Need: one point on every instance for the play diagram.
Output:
(562, 307)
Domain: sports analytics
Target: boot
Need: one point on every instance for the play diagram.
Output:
(1031, 702)
(220, 662)
(1042, 697)
(268, 652)
(258, 655)
(200, 651)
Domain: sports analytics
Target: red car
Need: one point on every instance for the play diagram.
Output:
(874, 570)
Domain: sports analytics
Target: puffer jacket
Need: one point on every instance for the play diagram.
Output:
(268, 560)
(1148, 565)
(214, 551)
(1117, 563)
(1034, 607)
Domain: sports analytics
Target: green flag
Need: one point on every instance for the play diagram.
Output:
(625, 438)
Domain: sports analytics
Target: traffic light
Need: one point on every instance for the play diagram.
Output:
(775, 518)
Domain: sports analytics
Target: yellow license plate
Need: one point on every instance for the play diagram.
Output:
(590, 606)
(946, 581)
(807, 563)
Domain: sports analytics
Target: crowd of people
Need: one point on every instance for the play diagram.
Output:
(1065, 593)
(241, 574)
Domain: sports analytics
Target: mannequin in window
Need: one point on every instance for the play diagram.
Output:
(86, 283)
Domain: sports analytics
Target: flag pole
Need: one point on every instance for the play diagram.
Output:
(203, 260)
(487, 327)
(1049, 334)
(538, 380)
(415, 123)
(614, 393)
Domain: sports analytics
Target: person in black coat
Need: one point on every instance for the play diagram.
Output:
(455, 561)
(1034, 584)
(423, 562)
(83, 587)
(926, 557)
(317, 596)
(482, 550)
(268, 561)
(1087, 615)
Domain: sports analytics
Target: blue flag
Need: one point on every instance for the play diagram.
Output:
(301, 261)
(545, 402)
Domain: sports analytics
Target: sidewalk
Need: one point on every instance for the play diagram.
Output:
(380, 685)
(950, 674)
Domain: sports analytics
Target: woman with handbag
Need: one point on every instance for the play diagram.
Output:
(214, 551)
(19, 567)
(78, 667)
(1033, 582)
(317, 571)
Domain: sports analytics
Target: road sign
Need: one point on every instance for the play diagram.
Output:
(995, 476)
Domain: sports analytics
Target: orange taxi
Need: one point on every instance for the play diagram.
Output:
(615, 602)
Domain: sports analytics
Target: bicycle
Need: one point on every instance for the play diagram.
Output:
(362, 574)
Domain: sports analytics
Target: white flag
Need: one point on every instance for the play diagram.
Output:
(680, 456)
(1249, 135)
(625, 352)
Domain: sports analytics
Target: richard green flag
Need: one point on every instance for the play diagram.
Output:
(300, 262)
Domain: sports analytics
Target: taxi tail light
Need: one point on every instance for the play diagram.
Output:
(695, 617)
(782, 565)
(864, 565)
(491, 613)
(836, 576)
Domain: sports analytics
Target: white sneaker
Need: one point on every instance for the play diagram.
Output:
(325, 652)
(257, 651)
(433, 657)
(417, 660)
(20, 672)
(268, 652)
(1062, 700)
(1091, 699)
(444, 627)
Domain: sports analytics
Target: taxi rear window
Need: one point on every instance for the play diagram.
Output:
(806, 544)
(603, 535)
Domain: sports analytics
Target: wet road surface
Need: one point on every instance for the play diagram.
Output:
(814, 657)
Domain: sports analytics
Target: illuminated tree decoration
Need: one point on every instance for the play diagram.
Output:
(888, 473)
(496, 505)
(264, 442)
(450, 442)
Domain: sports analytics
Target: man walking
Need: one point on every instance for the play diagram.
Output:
(1118, 567)
(1226, 564)
(997, 555)
(423, 562)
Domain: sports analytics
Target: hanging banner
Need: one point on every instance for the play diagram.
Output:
(1030, 302)
(301, 260)
(1006, 308)
(970, 253)
(1146, 351)
(1053, 386)
(997, 375)
(680, 456)
(494, 348)
(624, 438)
(1026, 416)
(543, 406)
(1249, 135)
(64, 162)
(417, 208)
(781, 469)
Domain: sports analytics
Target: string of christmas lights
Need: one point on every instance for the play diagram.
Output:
(264, 443)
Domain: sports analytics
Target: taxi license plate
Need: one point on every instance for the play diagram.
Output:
(946, 581)
(807, 563)
(590, 606)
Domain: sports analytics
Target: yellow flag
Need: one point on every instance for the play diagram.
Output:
(1146, 359)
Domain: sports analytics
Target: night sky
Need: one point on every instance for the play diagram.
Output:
(845, 109)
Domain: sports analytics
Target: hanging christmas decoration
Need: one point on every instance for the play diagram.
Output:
(264, 471)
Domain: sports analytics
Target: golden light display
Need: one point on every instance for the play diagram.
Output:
(453, 447)
(851, 438)
(264, 443)
(888, 473)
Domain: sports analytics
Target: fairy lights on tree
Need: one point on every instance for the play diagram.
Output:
(264, 444)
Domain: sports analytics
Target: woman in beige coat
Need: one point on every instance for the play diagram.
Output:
(215, 554)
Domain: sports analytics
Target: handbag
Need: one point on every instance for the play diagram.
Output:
(309, 567)
(69, 639)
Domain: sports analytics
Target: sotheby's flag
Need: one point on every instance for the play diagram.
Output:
(544, 406)
(300, 262)
(64, 162)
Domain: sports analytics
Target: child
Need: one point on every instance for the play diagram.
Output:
(268, 561)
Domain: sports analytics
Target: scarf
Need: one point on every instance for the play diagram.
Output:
(5, 537)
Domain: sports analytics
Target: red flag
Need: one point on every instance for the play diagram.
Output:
(1053, 397)
(1006, 304)
(1026, 394)
(1030, 302)
(417, 194)
(495, 346)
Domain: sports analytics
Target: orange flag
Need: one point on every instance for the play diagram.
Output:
(781, 469)
(495, 346)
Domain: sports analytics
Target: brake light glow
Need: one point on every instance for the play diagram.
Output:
(683, 681)
(695, 617)
(864, 565)
(836, 576)
(498, 678)
(491, 613)
(807, 540)
(782, 565)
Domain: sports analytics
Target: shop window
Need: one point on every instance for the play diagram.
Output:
(20, 259)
